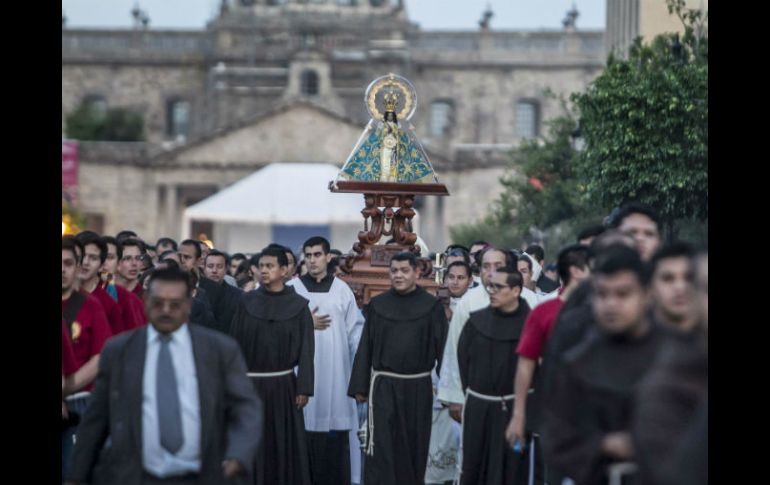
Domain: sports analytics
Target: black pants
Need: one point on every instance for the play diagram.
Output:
(540, 473)
(329, 457)
(77, 409)
(189, 479)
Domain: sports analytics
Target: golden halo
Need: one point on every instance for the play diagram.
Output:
(407, 97)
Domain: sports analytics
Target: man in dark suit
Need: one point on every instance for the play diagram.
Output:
(173, 398)
(222, 296)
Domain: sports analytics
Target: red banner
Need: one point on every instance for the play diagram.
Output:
(69, 164)
(69, 168)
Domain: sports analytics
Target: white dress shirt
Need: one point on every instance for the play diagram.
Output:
(156, 459)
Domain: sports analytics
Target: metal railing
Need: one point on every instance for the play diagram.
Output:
(119, 42)
(588, 42)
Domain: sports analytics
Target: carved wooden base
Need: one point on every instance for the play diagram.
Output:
(388, 211)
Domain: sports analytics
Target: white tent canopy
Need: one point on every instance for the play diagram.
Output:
(281, 193)
(285, 194)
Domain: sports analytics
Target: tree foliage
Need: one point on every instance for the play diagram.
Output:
(541, 199)
(645, 123)
(115, 124)
(548, 192)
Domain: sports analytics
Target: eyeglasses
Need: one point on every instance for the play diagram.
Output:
(493, 288)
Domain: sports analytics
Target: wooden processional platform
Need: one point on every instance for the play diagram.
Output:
(388, 211)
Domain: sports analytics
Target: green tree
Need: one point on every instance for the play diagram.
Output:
(645, 123)
(542, 196)
(116, 124)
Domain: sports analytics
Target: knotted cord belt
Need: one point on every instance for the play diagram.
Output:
(483, 397)
(370, 418)
(270, 374)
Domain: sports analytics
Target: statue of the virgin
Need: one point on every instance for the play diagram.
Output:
(388, 150)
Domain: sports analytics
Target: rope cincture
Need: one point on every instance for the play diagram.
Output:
(270, 374)
(483, 397)
(370, 417)
(617, 471)
(77, 395)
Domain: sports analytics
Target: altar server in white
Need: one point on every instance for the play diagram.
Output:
(331, 418)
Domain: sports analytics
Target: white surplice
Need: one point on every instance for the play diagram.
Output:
(330, 408)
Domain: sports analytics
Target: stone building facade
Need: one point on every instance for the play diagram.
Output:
(283, 81)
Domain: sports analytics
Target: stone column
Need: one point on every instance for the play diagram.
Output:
(427, 218)
(172, 221)
(443, 227)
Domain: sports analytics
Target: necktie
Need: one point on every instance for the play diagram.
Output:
(167, 396)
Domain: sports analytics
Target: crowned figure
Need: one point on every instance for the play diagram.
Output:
(388, 150)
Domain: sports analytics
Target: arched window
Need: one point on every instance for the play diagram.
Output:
(527, 118)
(178, 118)
(309, 83)
(440, 117)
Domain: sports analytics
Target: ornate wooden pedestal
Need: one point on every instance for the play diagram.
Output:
(388, 212)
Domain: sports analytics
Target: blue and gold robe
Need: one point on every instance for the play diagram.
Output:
(364, 164)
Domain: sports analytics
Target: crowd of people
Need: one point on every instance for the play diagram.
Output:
(183, 364)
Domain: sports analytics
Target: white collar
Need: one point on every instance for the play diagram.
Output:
(180, 332)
